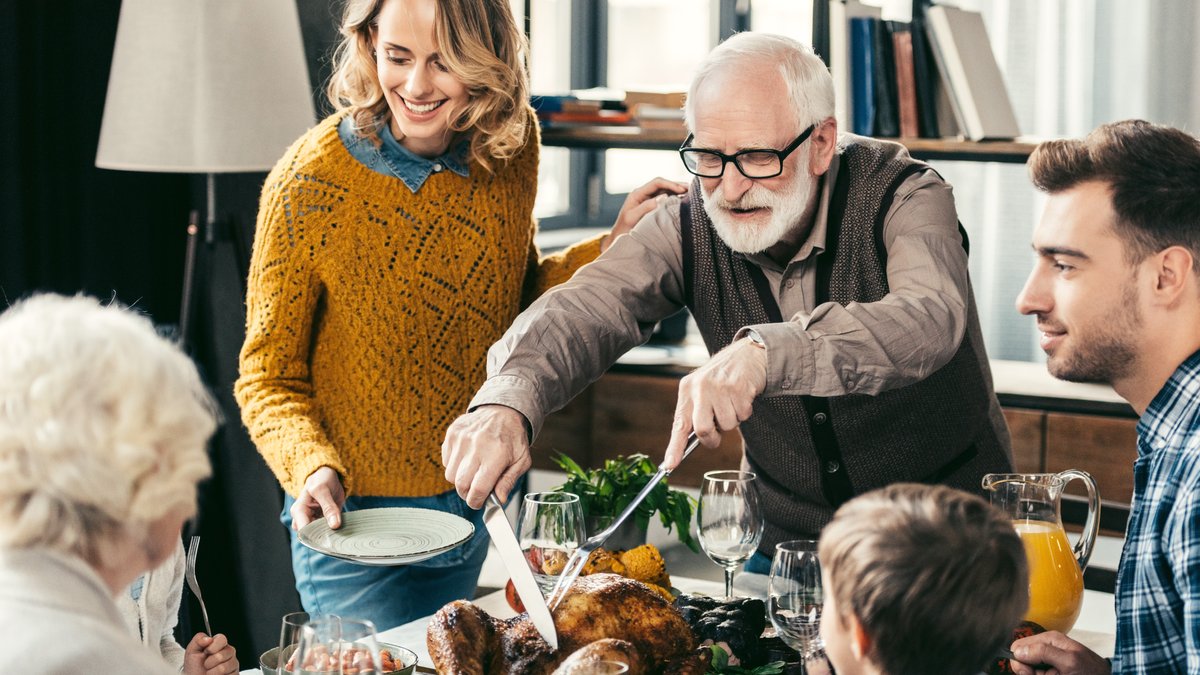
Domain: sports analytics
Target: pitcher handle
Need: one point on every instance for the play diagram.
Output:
(1087, 540)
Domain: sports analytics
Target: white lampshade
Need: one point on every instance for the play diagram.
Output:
(205, 86)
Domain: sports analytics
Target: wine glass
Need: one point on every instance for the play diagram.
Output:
(289, 637)
(729, 520)
(550, 528)
(342, 646)
(794, 597)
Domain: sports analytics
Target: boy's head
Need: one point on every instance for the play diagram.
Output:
(920, 579)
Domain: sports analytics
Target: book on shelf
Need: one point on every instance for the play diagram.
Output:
(927, 81)
(650, 116)
(839, 61)
(887, 122)
(970, 73)
(596, 118)
(662, 97)
(906, 84)
(862, 75)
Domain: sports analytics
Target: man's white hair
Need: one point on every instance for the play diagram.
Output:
(809, 85)
(103, 427)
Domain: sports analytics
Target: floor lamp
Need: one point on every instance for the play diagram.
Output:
(204, 86)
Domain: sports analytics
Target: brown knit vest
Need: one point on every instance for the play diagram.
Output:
(812, 454)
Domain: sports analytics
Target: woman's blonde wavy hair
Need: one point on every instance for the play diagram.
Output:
(478, 41)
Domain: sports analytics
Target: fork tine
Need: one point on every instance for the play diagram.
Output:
(190, 574)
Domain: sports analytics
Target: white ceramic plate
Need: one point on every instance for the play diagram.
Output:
(388, 536)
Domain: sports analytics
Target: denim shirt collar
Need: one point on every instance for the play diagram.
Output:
(392, 159)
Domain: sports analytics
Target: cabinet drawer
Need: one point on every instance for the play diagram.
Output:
(1105, 447)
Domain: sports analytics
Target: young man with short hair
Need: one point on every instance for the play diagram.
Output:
(1116, 293)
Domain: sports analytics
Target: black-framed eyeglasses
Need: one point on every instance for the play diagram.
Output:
(752, 162)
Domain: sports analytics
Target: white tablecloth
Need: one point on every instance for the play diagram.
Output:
(1096, 627)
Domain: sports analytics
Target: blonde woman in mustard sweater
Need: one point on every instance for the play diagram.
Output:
(394, 245)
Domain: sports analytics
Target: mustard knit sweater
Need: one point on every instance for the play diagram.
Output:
(370, 309)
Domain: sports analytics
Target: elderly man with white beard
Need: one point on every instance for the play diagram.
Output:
(828, 278)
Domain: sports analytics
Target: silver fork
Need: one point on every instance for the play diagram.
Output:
(190, 573)
(580, 557)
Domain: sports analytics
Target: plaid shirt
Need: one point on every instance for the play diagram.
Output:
(1158, 583)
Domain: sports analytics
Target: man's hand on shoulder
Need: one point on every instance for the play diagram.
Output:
(718, 396)
(1064, 655)
(640, 202)
(486, 451)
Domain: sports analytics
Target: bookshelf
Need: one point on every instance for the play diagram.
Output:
(635, 138)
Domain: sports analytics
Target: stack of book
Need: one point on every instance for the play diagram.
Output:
(607, 107)
(931, 77)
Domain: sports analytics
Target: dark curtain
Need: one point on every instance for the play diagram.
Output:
(69, 227)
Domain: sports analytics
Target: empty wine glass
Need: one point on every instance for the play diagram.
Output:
(794, 597)
(289, 637)
(729, 520)
(550, 528)
(342, 646)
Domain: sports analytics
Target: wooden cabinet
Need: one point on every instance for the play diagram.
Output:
(624, 413)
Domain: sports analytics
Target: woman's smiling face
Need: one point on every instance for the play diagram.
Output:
(421, 92)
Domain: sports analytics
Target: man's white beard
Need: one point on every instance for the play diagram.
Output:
(786, 207)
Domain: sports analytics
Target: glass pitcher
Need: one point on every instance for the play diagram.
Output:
(1032, 500)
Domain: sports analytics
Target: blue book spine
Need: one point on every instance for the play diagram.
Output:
(862, 74)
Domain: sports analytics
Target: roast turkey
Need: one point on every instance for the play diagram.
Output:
(464, 640)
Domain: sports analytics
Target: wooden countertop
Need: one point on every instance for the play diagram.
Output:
(1018, 384)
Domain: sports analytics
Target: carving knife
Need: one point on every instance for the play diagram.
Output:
(517, 564)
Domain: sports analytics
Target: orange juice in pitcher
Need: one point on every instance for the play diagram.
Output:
(1055, 580)
(1055, 568)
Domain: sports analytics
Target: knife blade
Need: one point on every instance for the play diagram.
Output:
(517, 565)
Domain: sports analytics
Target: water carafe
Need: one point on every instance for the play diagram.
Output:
(1032, 500)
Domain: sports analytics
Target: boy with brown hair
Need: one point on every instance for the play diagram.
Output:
(920, 579)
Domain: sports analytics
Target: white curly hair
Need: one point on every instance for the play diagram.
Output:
(103, 427)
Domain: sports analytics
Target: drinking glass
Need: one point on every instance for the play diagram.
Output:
(729, 520)
(342, 646)
(289, 637)
(794, 597)
(550, 528)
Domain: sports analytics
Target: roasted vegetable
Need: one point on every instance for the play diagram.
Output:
(645, 564)
(737, 624)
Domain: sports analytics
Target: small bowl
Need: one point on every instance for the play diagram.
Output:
(269, 661)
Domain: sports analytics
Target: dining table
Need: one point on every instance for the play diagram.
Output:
(1095, 628)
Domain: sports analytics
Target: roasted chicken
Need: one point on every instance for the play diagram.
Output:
(465, 640)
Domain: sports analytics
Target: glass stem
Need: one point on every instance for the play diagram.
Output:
(729, 581)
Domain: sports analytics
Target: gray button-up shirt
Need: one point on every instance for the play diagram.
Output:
(571, 335)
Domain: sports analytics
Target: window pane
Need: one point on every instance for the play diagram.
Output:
(554, 190)
(628, 169)
(653, 44)
(550, 72)
(656, 43)
(549, 48)
(792, 18)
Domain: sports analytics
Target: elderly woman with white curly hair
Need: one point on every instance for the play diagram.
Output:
(103, 426)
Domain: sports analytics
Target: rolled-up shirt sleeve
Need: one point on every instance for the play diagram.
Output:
(571, 335)
(867, 348)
